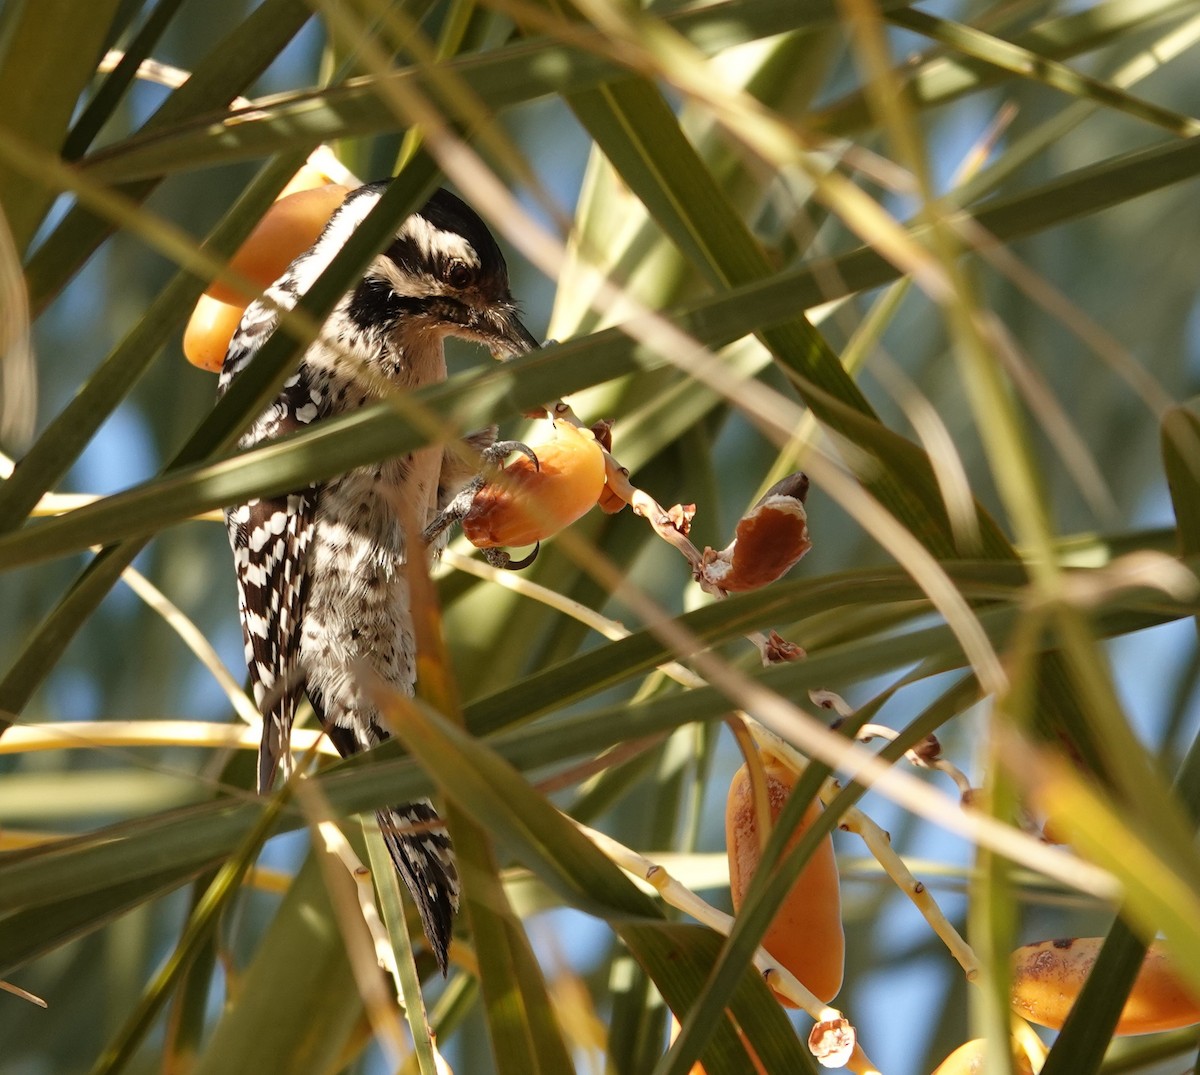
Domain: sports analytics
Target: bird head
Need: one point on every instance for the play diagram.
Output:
(441, 275)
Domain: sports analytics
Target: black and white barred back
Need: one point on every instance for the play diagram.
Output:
(321, 583)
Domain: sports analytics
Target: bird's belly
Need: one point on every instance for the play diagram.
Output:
(357, 631)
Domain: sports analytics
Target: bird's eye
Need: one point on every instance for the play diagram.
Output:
(459, 274)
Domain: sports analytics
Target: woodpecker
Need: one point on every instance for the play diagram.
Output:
(320, 571)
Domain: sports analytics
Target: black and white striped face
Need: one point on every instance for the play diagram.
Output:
(442, 274)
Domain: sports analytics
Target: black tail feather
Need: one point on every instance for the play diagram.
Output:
(417, 841)
(420, 848)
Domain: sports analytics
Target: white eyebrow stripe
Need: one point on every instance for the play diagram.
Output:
(433, 241)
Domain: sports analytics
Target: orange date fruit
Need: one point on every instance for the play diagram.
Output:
(528, 503)
(307, 177)
(288, 228)
(1048, 976)
(969, 1059)
(806, 934)
(208, 332)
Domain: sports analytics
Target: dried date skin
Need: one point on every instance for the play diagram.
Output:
(770, 538)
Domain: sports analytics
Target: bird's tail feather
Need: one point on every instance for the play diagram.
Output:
(417, 841)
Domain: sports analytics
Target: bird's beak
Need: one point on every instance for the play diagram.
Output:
(509, 336)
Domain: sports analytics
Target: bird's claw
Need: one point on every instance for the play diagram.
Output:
(490, 458)
(495, 454)
(500, 559)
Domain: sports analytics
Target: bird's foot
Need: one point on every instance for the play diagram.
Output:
(490, 460)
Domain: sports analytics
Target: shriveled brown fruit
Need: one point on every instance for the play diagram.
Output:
(768, 541)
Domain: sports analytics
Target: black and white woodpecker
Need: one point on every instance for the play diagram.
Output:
(320, 571)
